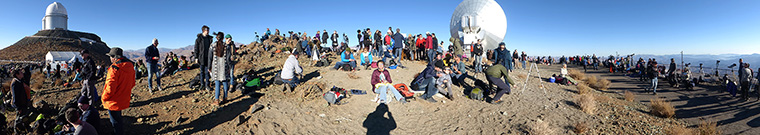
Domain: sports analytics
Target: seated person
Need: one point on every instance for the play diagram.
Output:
(382, 83)
(426, 80)
(459, 71)
(290, 69)
(444, 82)
(347, 57)
(563, 74)
(183, 63)
(366, 58)
(78, 127)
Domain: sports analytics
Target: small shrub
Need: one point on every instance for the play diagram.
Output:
(590, 81)
(679, 130)
(662, 108)
(580, 127)
(583, 89)
(541, 128)
(602, 84)
(708, 128)
(575, 74)
(629, 96)
(586, 103)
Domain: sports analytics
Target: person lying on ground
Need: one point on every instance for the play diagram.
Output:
(382, 84)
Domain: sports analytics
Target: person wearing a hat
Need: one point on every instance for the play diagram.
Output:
(494, 75)
(231, 60)
(503, 56)
(151, 58)
(89, 97)
(346, 57)
(426, 80)
(117, 90)
(291, 69)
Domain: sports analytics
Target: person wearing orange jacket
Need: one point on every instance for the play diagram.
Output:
(118, 88)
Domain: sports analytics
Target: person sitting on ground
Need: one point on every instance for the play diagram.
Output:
(494, 75)
(79, 127)
(458, 71)
(291, 69)
(366, 58)
(183, 65)
(426, 80)
(563, 74)
(347, 57)
(444, 82)
(382, 83)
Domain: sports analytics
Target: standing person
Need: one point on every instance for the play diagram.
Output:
(202, 43)
(672, 73)
(382, 83)
(516, 58)
(398, 44)
(291, 69)
(420, 43)
(653, 74)
(412, 47)
(334, 37)
(360, 38)
(152, 56)
(89, 96)
(458, 52)
(378, 45)
(502, 56)
(429, 47)
(219, 68)
(494, 75)
(478, 51)
(524, 56)
(324, 37)
(20, 94)
(118, 86)
(745, 79)
(231, 60)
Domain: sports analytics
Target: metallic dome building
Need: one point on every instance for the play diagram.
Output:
(479, 19)
(55, 17)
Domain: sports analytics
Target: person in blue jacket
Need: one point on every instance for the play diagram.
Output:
(347, 57)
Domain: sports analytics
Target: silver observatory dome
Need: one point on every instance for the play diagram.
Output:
(479, 19)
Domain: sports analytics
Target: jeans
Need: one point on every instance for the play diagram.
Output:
(654, 84)
(341, 63)
(307, 50)
(153, 71)
(216, 90)
(478, 63)
(232, 75)
(204, 77)
(383, 89)
(500, 85)
(431, 55)
(440, 84)
(397, 53)
(293, 82)
(523, 63)
(428, 84)
(117, 122)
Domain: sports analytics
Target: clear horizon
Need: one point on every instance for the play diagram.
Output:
(543, 27)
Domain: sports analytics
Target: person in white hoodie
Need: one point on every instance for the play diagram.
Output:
(290, 69)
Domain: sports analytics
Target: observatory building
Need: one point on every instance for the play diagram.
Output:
(55, 17)
(479, 19)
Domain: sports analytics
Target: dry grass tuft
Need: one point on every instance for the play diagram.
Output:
(586, 103)
(708, 128)
(580, 127)
(629, 96)
(602, 84)
(575, 74)
(583, 89)
(541, 128)
(6, 86)
(679, 130)
(58, 82)
(662, 108)
(521, 76)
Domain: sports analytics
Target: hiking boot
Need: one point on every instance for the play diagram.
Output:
(431, 100)
(450, 96)
(216, 102)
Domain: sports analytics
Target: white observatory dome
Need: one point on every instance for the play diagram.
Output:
(479, 19)
(55, 17)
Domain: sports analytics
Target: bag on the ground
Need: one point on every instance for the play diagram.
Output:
(476, 94)
(404, 90)
(334, 96)
(277, 79)
(347, 67)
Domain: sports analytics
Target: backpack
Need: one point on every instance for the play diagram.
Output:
(277, 79)
(347, 67)
(476, 94)
(404, 90)
(334, 96)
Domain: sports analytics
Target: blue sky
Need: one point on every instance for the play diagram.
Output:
(539, 27)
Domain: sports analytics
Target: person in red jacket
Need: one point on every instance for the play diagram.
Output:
(118, 88)
(382, 83)
(429, 48)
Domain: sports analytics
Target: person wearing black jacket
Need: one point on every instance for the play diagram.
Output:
(89, 97)
(334, 37)
(478, 52)
(202, 44)
(20, 97)
(324, 37)
(671, 73)
(151, 58)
